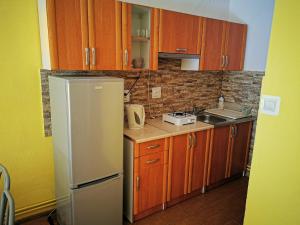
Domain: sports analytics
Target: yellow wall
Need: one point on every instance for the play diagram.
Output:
(23, 148)
(274, 189)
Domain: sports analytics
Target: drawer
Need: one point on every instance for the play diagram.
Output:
(152, 147)
(152, 160)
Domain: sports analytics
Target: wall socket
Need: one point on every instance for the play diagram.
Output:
(156, 92)
(126, 97)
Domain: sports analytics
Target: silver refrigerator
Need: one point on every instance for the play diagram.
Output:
(87, 130)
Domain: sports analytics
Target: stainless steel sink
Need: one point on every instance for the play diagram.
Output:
(210, 119)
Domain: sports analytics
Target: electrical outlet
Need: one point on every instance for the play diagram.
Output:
(156, 92)
(126, 96)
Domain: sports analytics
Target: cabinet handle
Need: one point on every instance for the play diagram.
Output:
(138, 183)
(126, 57)
(195, 140)
(235, 130)
(226, 61)
(190, 141)
(181, 49)
(152, 161)
(153, 146)
(223, 61)
(232, 131)
(94, 56)
(87, 56)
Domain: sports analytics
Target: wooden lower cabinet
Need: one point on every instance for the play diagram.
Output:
(240, 148)
(218, 155)
(198, 161)
(188, 156)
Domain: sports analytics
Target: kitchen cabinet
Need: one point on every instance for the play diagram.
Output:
(145, 177)
(139, 37)
(228, 154)
(223, 45)
(198, 161)
(240, 147)
(187, 164)
(179, 33)
(218, 155)
(178, 166)
(84, 34)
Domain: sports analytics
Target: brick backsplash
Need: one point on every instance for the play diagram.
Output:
(180, 89)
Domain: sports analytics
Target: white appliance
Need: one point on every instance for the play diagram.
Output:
(87, 127)
(179, 118)
(135, 115)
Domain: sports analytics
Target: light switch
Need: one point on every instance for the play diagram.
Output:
(156, 92)
(270, 105)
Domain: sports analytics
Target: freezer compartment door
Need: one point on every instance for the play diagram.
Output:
(96, 129)
(99, 203)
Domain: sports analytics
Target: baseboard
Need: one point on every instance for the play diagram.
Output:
(36, 209)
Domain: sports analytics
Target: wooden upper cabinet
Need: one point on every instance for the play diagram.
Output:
(212, 45)
(223, 45)
(139, 37)
(104, 22)
(219, 154)
(84, 34)
(235, 46)
(178, 166)
(240, 148)
(67, 25)
(179, 33)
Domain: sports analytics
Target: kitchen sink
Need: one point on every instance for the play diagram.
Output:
(210, 119)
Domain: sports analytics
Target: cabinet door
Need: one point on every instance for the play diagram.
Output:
(68, 33)
(235, 46)
(179, 33)
(151, 181)
(137, 42)
(213, 45)
(178, 166)
(105, 34)
(198, 160)
(240, 148)
(218, 159)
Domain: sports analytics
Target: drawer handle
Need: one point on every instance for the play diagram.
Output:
(181, 49)
(152, 161)
(153, 146)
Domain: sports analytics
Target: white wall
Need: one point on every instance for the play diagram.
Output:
(258, 15)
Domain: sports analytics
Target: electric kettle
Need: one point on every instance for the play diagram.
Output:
(135, 115)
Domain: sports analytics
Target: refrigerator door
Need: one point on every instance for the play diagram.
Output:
(96, 128)
(98, 203)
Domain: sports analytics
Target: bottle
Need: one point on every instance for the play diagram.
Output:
(221, 102)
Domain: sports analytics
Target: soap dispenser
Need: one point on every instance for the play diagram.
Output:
(221, 102)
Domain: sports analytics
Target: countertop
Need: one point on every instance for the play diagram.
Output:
(156, 129)
(148, 133)
(177, 130)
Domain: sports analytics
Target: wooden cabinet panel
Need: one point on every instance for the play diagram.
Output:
(178, 170)
(218, 159)
(198, 159)
(212, 45)
(151, 181)
(235, 45)
(150, 147)
(240, 148)
(67, 24)
(179, 33)
(105, 34)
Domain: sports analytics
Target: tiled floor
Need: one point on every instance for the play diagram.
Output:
(222, 206)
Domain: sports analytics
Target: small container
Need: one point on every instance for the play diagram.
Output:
(221, 102)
